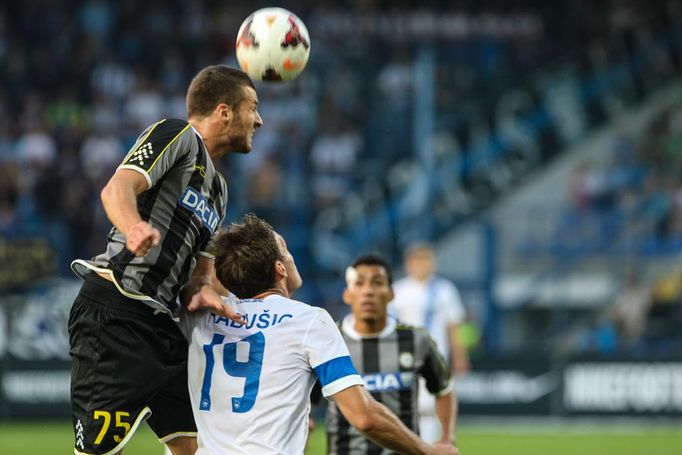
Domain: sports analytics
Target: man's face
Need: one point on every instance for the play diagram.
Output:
(420, 264)
(244, 121)
(368, 292)
(294, 280)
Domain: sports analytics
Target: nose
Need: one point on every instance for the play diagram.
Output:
(259, 120)
(368, 290)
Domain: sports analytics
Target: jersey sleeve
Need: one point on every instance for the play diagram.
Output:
(451, 307)
(328, 356)
(158, 149)
(434, 370)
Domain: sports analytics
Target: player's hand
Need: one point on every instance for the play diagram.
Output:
(444, 449)
(447, 440)
(142, 237)
(207, 298)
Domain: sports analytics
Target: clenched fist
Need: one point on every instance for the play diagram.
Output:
(141, 237)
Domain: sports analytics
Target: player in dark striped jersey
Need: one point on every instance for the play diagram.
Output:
(165, 201)
(390, 357)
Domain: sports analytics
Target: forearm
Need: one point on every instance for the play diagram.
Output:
(446, 411)
(459, 354)
(388, 431)
(120, 205)
(192, 286)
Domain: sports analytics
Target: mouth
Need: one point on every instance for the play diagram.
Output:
(368, 306)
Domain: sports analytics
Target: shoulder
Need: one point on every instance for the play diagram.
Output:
(157, 138)
(420, 334)
(161, 135)
(165, 128)
(403, 327)
(302, 308)
(320, 319)
(445, 284)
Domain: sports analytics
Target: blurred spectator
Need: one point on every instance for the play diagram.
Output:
(425, 300)
(585, 187)
(333, 156)
(662, 332)
(395, 83)
(628, 311)
(36, 147)
(145, 104)
(100, 153)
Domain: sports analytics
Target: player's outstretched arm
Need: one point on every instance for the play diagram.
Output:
(199, 293)
(376, 422)
(119, 198)
(446, 411)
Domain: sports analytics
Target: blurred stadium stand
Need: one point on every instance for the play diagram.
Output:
(537, 144)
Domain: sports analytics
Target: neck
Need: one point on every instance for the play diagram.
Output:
(369, 326)
(203, 127)
(276, 291)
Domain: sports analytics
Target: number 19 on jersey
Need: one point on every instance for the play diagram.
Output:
(235, 366)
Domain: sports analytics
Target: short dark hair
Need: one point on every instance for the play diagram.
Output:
(374, 259)
(214, 85)
(245, 256)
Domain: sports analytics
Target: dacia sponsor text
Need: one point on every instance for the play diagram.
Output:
(196, 202)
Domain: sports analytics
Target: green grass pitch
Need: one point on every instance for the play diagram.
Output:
(480, 439)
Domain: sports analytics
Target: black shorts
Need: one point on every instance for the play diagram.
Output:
(128, 365)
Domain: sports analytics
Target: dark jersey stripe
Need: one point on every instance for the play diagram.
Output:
(195, 225)
(407, 411)
(145, 204)
(370, 356)
(172, 243)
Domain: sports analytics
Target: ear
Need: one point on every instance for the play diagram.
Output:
(280, 270)
(346, 297)
(391, 294)
(224, 112)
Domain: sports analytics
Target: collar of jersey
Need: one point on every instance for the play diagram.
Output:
(260, 300)
(197, 133)
(348, 326)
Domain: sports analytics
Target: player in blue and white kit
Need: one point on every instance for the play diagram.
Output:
(250, 384)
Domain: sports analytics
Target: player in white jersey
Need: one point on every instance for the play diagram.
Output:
(250, 384)
(426, 300)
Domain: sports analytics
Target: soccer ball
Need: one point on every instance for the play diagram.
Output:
(273, 45)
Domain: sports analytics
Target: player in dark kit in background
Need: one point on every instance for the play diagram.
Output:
(390, 357)
(166, 201)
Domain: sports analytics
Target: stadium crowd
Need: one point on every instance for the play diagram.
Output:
(631, 207)
(80, 80)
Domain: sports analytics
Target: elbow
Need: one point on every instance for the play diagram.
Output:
(105, 194)
(365, 423)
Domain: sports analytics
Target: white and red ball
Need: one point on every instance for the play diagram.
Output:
(273, 45)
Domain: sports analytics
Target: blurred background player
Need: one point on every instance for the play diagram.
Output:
(424, 299)
(390, 356)
(165, 201)
(280, 351)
